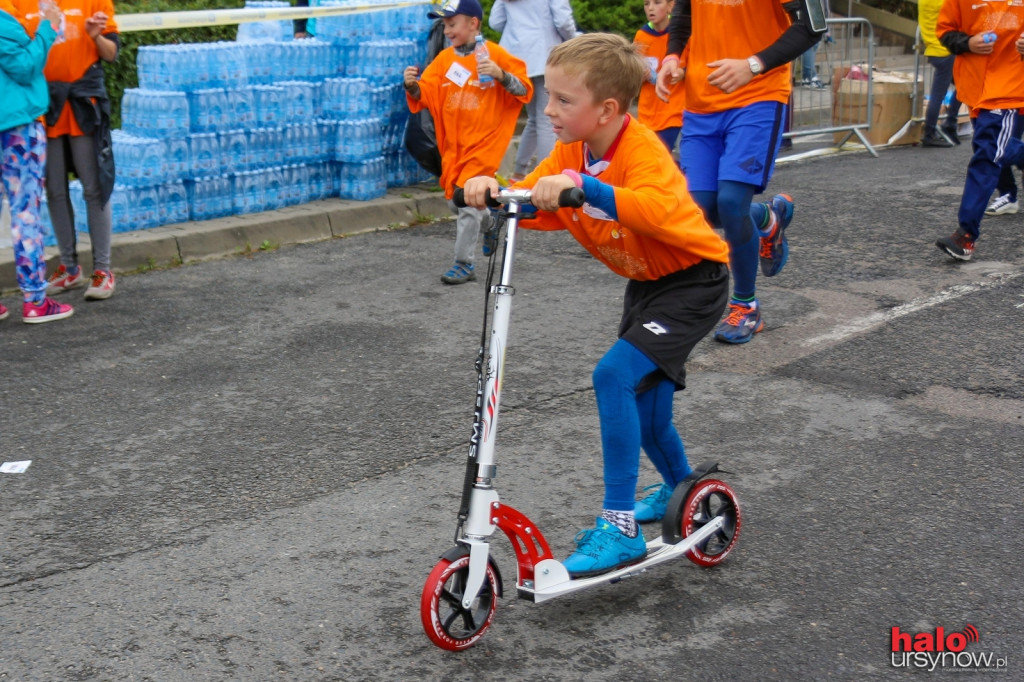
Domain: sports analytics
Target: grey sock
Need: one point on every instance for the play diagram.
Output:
(623, 520)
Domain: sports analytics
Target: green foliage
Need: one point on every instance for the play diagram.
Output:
(122, 74)
(624, 18)
(903, 8)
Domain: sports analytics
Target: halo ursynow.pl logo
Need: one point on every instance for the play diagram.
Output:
(941, 649)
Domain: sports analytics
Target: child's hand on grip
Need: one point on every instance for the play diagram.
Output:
(478, 189)
(547, 190)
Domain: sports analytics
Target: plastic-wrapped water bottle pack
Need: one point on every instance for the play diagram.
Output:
(221, 128)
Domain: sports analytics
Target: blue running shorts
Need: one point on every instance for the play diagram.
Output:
(736, 144)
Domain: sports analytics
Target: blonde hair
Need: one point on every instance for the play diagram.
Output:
(611, 67)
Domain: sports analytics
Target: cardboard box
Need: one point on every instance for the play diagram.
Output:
(892, 108)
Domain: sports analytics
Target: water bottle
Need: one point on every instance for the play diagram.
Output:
(300, 182)
(198, 198)
(292, 143)
(147, 203)
(178, 114)
(272, 188)
(249, 196)
(177, 198)
(177, 159)
(120, 210)
(163, 208)
(204, 155)
(151, 163)
(481, 53)
(241, 107)
(234, 148)
(988, 37)
(377, 178)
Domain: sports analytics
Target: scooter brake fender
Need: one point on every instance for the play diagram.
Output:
(671, 523)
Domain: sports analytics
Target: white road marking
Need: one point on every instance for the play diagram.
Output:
(877, 319)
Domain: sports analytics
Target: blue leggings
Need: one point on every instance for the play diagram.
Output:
(630, 421)
(23, 166)
(731, 210)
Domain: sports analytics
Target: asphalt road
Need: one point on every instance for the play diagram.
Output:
(245, 469)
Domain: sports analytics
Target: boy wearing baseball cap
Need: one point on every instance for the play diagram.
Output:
(474, 121)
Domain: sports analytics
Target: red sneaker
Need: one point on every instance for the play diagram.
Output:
(46, 311)
(4, 312)
(102, 286)
(64, 279)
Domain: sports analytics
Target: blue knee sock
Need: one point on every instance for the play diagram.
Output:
(730, 210)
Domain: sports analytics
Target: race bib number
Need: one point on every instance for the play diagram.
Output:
(458, 74)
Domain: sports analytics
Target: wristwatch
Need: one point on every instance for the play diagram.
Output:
(755, 65)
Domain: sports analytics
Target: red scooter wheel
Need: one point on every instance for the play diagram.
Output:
(446, 621)
(708, 499)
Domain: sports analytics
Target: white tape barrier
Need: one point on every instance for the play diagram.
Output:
(222, 17)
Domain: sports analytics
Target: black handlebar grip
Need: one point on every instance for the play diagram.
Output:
(571, 197)
(459, 199)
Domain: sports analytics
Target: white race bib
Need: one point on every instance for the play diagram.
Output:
(458, 74)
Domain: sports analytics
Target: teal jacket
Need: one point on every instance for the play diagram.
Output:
(25, 93)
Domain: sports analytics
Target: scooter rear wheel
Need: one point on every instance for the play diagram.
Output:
(446, 621)
(710, 498)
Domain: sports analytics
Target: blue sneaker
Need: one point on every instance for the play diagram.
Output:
(490, 244)
(603, 549)
(459, 273)
(774, 247)
(652, 507)
(741, 324)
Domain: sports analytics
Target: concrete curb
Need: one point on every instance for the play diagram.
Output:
(172, 245)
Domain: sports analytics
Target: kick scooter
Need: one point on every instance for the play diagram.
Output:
(702, 521)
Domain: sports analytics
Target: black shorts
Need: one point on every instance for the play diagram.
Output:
(665, 318)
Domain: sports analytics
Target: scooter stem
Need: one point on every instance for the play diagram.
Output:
(503, 293)
(479, 524)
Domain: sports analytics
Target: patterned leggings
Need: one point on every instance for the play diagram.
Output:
(23, 168)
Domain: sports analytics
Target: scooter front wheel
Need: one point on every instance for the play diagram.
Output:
(446, 621)
(710, 498)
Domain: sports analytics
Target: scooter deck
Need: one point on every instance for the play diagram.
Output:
(552, 580)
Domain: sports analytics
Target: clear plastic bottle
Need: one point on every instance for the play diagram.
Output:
(481, 53)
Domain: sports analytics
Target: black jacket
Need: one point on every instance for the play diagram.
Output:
(90, 106)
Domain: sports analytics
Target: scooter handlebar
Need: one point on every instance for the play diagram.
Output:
(572, 197)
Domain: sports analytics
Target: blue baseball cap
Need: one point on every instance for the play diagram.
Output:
(449, 8)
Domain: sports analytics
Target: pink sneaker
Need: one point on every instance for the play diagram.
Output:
(102, 286)
(46, 311)
(64, 279)
(4, 312)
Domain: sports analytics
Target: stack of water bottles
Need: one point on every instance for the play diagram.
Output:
(225, 128)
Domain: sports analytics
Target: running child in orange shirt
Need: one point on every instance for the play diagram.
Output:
(664, 118)
(474, 120)
(640, 221)
(738, 82)
(988, 41)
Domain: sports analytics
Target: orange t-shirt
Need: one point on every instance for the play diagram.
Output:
(651, 110)
(69, 60)
(474, 125)
(987, 81)
(25, 11)
(734, 30)
(660, 229)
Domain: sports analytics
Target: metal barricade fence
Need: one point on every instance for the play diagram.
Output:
(849, 45)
